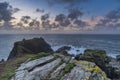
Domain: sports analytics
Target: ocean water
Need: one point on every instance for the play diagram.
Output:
(78, 42)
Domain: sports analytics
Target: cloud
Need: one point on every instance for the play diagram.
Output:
(35, 24)
(25, 19)
(46, 25)
(53, 2)
(6, 12)
(40, 10)
(111, 21)
(81, 23)
(74, 14)
(62, 19)
(114, 14)
(45, 17)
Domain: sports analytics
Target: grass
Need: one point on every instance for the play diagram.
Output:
(98, 52)
(8, 70)
(94, 69)
(66, 70)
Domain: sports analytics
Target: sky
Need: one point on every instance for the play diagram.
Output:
(60, 16)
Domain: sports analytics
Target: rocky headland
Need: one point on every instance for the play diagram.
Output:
(34, 59)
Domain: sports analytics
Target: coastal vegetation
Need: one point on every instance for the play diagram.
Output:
(58, 65)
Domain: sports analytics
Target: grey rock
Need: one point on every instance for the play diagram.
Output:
(118, 58)
(85, 71)
(57, 71)
(34, 63)
(37, 73)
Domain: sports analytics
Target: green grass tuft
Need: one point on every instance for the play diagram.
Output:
(66, 70)
(8, 70)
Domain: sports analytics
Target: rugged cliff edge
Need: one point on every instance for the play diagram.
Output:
(35, 61)
(58, 67)
(31, 46)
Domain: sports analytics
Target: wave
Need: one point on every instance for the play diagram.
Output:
(74, 50)
(78, 50)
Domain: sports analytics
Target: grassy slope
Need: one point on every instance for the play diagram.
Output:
(7, 68)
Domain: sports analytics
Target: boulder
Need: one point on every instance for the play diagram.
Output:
(2, 60)
(100, 58)
(62, 49)
(85, 70)
(31, 46)
(118, 58)
(97, 56)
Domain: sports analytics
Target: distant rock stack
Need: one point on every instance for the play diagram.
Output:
(31, 46)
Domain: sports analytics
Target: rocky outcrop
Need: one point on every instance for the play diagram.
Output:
(64, 48)
(106, 63)
(85, 71)
(31, 46)
(97, 56)
(30, 65)
(26, 63)
(53, 67)
(118, 58)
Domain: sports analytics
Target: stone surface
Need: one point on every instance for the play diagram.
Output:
(32, 64)
(61, 65)
(63, 50)
(109, 65)
(85, 71)
(31, 46)
(118, 58)
(57, 71)
(38, 73)
(97, 56)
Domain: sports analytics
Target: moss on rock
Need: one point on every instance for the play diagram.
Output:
(10, 66)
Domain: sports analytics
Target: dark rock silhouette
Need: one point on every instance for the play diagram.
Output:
(31, 46)
(118, 58)
(62, 49)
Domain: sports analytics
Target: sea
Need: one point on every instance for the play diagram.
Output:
(79, 42)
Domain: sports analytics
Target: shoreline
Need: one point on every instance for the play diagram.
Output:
(74, 51)
(80, 50)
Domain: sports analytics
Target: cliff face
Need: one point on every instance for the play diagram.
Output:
(58, 67)
(31, 46)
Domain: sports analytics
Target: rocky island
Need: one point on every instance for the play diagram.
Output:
(34, 59)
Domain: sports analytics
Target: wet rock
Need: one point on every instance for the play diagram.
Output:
(114, 69)
(77, 57)
(118, 58)
(2, 60)
(31, 46)
(62, 49)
